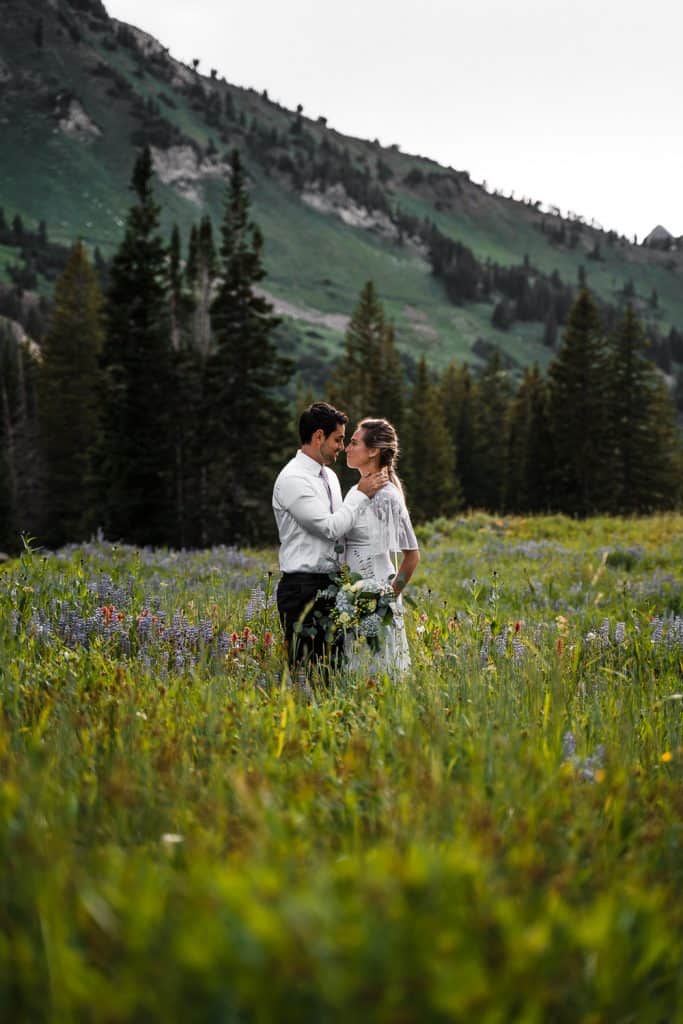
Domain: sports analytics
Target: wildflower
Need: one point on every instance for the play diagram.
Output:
(257, 602)
(518, 649)
(172, 838)
(568, 746)
(666, 757)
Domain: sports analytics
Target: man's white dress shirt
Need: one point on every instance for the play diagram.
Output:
(308, 529)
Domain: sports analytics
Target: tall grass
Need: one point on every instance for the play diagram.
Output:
(497, 837)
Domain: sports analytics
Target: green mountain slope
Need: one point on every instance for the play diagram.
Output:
(80, 93)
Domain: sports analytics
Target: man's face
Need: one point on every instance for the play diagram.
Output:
(331, 446)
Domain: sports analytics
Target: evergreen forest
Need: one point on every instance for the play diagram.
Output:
(159, 406)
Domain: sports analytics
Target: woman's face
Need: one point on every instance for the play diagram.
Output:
(358, 455)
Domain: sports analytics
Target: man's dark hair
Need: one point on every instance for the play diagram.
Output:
(320, 416)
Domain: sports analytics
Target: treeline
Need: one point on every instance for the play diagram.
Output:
(153, 412)
(596, 434)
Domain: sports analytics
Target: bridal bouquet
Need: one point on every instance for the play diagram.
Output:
(361, 606)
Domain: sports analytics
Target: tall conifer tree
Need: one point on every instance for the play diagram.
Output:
(355, 382)
(136, 463)
(579, 414)
(368, 380)
(456, 394)
(245, 416)
(69, 398)
(429, 460)
(643, 424)
(21, 478)
(389, 386)
(493, 395)
(201, 272)
(530, 462)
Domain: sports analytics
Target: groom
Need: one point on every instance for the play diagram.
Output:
(312, 520)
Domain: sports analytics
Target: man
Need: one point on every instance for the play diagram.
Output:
(312, 520)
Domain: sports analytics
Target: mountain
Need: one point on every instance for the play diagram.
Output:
(459, 268)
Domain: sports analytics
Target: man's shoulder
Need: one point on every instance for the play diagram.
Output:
(293, 472)
(287, 468)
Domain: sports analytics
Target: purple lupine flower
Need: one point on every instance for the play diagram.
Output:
(256, 603)
(486, 642)
(568, 746)
(620, 633)
(657, 631)
(518, 649)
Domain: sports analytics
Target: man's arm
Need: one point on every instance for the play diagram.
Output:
(301, 499)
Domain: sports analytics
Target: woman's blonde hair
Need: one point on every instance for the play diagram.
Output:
(378, 433)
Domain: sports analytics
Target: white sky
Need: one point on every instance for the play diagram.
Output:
(576, 103)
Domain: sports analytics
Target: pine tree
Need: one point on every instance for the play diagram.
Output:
(244, 413)
(389, 385)
(530, 462)
(428, 467)
(21, 495)
(136, 461)
(175, 288)
(69, 398)
(368, 380)
(458, 397)
(355, 382)
(643, 424)
(493, 394)
(578, 392)
(201, 271)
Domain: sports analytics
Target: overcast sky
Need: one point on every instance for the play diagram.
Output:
(575, 103)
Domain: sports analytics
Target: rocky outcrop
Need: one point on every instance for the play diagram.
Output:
(335, 321)
(183, 169)
(75, 123)
(334, 200)
(19, 336)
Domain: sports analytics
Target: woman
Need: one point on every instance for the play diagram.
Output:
(382, 529)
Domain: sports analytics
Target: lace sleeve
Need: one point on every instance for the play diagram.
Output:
(389, 523)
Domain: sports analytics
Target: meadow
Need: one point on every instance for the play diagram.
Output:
(184, 835)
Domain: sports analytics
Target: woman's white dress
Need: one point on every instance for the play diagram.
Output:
(382, 530)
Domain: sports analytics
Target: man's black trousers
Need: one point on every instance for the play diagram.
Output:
(297, 602)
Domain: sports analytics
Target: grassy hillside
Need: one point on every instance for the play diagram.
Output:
(65, 60)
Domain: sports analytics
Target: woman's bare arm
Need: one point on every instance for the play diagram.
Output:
(406, 569)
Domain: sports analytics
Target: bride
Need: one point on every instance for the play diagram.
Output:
(382, 529)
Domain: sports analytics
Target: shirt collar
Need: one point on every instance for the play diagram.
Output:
(308, 464)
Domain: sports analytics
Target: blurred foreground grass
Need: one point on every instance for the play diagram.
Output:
(496, 838)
